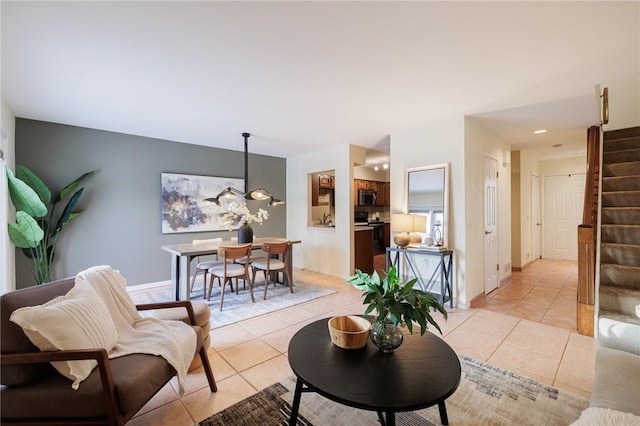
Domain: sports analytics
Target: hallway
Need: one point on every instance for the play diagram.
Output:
(544, 292)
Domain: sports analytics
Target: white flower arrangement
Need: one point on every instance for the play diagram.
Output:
(238, 213)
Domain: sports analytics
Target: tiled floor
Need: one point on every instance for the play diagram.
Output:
(515, 332)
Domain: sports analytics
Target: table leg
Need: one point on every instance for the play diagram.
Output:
(175, 275)
(443, 413)
(296, 403)
(184, 277)
(391, 418)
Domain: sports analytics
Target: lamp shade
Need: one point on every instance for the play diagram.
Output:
(419, 223)
(401, 222)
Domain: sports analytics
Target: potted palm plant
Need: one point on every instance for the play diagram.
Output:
(396, 303)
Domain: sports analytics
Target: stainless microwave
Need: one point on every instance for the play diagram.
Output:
(367, 197)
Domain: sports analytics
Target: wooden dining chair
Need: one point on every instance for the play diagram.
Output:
(272, 263)
(204, 266)
(229, 270)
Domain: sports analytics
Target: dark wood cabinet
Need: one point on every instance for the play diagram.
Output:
(387, 234)
(381, 188)
(363, 250)
(325, 181)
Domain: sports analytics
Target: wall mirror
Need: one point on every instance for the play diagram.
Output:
(428, 195)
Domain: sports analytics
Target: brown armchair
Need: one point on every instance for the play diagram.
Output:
(33, 392)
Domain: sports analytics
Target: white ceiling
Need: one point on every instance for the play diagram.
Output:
(301, 76)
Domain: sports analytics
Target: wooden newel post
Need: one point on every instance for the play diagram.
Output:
(586, 279)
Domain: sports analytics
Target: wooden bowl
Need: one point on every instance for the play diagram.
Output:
(349, 331)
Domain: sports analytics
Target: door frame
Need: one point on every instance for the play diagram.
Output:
(534, 227)
(486, 157)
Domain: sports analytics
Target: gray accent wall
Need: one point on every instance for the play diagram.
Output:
(121, 223)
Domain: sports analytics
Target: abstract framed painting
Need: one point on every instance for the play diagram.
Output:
(183, 205)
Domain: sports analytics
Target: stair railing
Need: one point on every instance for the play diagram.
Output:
(587, 236)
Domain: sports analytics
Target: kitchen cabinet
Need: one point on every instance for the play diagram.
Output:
(363, 249)
(381, 188)
(387, 234)
(325, 181)
(322, 190)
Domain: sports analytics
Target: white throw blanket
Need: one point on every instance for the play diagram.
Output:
(174, 341)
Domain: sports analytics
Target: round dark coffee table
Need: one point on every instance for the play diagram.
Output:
(422, 372)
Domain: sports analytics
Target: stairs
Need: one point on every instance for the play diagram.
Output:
(619, 292)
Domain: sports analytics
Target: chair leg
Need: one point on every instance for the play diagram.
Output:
(207, 369)
(266, 283)
(210, 288)
(224, 283)
(253, 300)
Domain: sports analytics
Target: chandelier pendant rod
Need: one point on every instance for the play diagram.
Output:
(246, 161)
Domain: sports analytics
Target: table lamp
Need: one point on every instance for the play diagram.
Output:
(403, 224)
(419, 225)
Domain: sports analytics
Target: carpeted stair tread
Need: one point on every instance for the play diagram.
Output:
(631, 319)
(622, 234)
(621, 183)
(621, 144)
(623, 156)
(621, 199)
(631, 168)
(619, 300)
(629, 132)
(620, 254)
(622, 276)
(621, 215)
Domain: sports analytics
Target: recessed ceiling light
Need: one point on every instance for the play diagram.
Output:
(537, 132)
(385, 166)
(376, 168)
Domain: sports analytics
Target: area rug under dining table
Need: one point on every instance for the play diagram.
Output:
(238, 307)
(487, 395)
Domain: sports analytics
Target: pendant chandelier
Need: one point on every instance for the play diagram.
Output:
(258, 194)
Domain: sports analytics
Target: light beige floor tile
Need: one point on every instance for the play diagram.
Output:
(229, 336)
(267, 373)
(581, 350)
(544, 331)
(203, 403)
(532, 342)
(249, 354)
(576, 376)
(263, 324)
(293, 314)
(280, 339)
(512, 357)
(165, 396)
(568, 388)
(171, 414)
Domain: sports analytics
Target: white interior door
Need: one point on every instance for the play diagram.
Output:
(490, 224)
(536, 225)
(563, 199)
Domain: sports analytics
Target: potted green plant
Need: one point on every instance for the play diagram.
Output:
(396, 303)
(35, 232)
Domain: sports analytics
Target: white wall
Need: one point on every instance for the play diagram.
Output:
(624, 102)
(478, 142)
(436, 143)
(7, 213)
(528, 166)
(325, 250)
(577, 164)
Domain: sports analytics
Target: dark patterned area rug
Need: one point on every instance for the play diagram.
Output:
(487, 395)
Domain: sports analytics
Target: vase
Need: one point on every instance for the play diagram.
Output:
(386, 336)
(245, 234)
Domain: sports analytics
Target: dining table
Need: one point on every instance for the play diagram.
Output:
(183, 254)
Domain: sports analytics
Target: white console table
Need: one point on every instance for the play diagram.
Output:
(443, 274)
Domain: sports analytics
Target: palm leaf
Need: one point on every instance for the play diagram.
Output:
(24, 198)
(71, 187)
(34, 182)
(25, 233)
